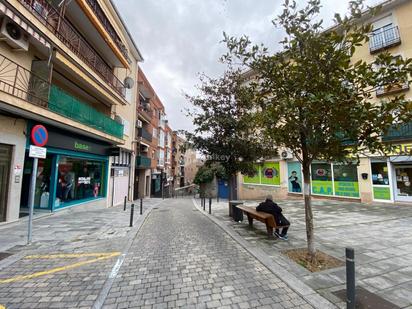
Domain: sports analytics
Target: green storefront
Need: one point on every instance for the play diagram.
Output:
(328, 179)
(75, 171)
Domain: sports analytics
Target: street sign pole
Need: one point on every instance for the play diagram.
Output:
(31, 198)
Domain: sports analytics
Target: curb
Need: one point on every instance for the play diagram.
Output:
(306, 292)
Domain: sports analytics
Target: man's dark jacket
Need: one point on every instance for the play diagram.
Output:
(272, 208)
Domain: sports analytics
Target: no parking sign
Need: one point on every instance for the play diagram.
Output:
(39, 135)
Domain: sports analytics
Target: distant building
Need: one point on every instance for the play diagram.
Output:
(178, 161)
(191, 165)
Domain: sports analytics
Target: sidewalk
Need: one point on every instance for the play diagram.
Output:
(380, 234)
(72, 227)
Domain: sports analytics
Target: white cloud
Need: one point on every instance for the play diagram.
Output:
(180, 38)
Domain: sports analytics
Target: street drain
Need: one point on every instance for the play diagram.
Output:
(366, 299)
(4, 255)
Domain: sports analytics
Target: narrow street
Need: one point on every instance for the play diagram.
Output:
(178, 258)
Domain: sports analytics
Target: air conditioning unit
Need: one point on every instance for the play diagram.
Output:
(139, 123)
(285, 154)
(14, 35)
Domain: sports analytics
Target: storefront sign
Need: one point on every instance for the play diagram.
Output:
(84, 180)
(37, 152)
(347, 188)
(381, 193)
(322, 187)
(75, 142)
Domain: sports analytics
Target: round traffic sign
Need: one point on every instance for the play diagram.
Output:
(39, 135)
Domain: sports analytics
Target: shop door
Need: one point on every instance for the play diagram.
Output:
(136, 185)
(403, 188)
(223, 189)
(5, 164)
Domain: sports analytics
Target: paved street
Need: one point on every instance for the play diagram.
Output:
(178, 258)
(381, 235)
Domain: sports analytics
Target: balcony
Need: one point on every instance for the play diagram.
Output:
(64, 104)
(108, 27)
(392, 89)
(146, 113)
(143, 133)
(403, 132)
(383, 38)
(70, 37)
(143, 162)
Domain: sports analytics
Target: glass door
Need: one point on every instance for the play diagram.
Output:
(5, 164)
(403, 174)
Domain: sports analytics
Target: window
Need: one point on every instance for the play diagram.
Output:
(384, 34)
(322, 179)
(380, 173)
(266, 174)
(345, 180)
(78, 179)
(154, 132)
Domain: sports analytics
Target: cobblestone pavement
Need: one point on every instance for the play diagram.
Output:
(87, 241)
(181, 259)
(381, 235)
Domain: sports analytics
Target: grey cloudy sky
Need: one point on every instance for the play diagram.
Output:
(180, 38)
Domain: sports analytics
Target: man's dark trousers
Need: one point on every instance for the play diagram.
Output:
(281, 220)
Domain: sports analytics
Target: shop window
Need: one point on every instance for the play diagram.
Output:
(295, 179)
(346, 180)
(380, 173)
(266, 174)
(78, 179)
(322, 179)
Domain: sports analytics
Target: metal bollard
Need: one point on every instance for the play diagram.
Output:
(350, 278)
(210, 206)
(124, 206)
(131, 215)
(141, 206)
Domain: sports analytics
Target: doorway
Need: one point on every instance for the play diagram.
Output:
(5, 164)
(403, 184)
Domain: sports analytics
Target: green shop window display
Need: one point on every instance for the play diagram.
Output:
(380, 181)
(322, 179)
(266, 174)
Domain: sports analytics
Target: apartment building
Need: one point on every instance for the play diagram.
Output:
(382, 179)
(69, 66)
(178, 160)
(154, 142)
(190, 165)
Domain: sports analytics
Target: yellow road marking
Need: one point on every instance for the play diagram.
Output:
(59, 269)
(69, 255)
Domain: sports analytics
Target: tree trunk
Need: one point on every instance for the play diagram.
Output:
(308, 211)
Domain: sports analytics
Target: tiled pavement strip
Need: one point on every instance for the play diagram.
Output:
(381, 235)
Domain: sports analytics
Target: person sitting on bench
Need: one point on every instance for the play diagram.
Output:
(272, 208)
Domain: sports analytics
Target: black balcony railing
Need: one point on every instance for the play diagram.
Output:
(52, 18)
(384, 38)
(108, 26)
(24, 84)
(402, 132)
(143, 133)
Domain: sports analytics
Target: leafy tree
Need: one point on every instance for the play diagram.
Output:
(225, 125)
(207, 172)
(313, 99)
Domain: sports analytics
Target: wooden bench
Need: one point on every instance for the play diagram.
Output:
(264, 217)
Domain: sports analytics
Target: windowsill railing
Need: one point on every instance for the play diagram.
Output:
(384, 38)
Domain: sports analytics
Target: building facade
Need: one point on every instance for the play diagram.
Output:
(153, 144)
(377, 178)
(190, 165)
(178, 160)
(69, 66)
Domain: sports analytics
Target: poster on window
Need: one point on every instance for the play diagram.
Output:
(346, 180)
(254, 179)
(322, 179)
(295, 179)
(270, 174)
